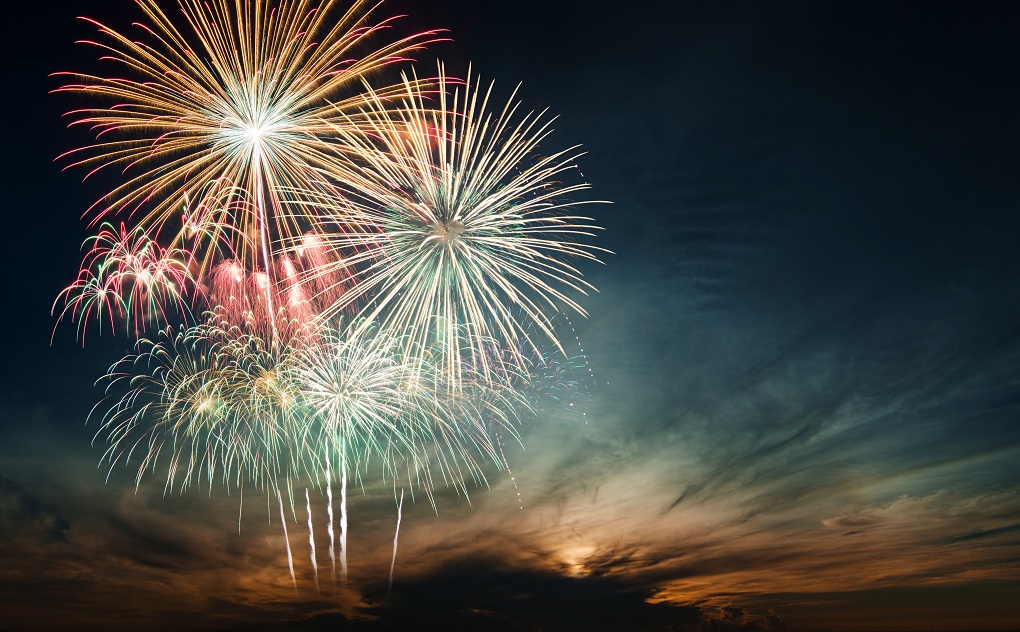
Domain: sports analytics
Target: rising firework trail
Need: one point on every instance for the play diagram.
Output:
(311, 540)
(396, 536)
(286, 539)
(329, 527)
(343, 516)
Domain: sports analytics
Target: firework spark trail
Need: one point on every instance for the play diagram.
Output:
(587, 365)
(499, 442)
(396, 535)
(311, 540)
(261, 223)
(290, 558)
(329, 527)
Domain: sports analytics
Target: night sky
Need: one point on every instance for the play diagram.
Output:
(806, 346)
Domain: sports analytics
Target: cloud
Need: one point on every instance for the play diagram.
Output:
(24, 515)
(988, 533)
(849, 521)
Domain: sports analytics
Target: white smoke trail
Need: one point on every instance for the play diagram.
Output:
(311, 540)
(290, 558)
(329, 527)
(396, 535)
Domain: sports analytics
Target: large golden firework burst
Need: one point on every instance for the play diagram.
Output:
(247, 92)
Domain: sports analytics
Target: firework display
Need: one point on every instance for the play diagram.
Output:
(453, 222)
(128, 277)
(327, 280)
(248, 93)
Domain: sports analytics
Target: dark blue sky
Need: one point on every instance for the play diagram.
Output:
(806, 345)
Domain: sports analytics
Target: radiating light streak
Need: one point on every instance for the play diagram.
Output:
(453, 222)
